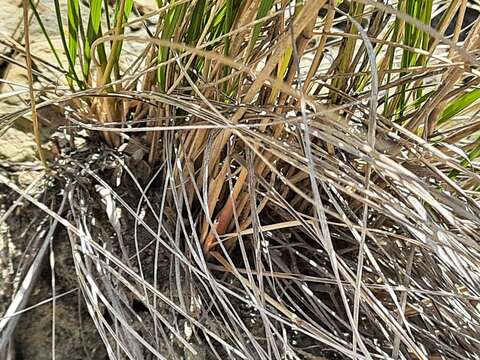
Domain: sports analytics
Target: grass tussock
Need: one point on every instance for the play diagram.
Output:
(308, 170)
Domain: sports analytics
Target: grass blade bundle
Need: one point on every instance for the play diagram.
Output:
(259, 179)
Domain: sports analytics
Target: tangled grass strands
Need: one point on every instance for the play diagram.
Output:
(266, 179)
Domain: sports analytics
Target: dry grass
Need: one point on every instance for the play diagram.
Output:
(309, 171)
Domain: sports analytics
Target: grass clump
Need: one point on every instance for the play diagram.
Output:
(305, 171)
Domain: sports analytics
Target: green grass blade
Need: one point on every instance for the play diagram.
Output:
(196, 23)
(171, 22)
(414, 37)
(227, 24)
(122, 12)
(93, 33)
(44, 31)
(107, 14)
(73, 20)
(72, 74)
(459, 104)
(128, 8)
(263, 9)
(126, 14)
(472, 155)
(96, 14)
(217, 25)
(126, 11)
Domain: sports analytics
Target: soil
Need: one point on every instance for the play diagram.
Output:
(75, 334)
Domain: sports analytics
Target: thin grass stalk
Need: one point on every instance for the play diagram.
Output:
(72, 73)
(28, 56)
(112, 59)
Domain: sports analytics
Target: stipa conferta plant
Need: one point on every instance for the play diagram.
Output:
(291, 179)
